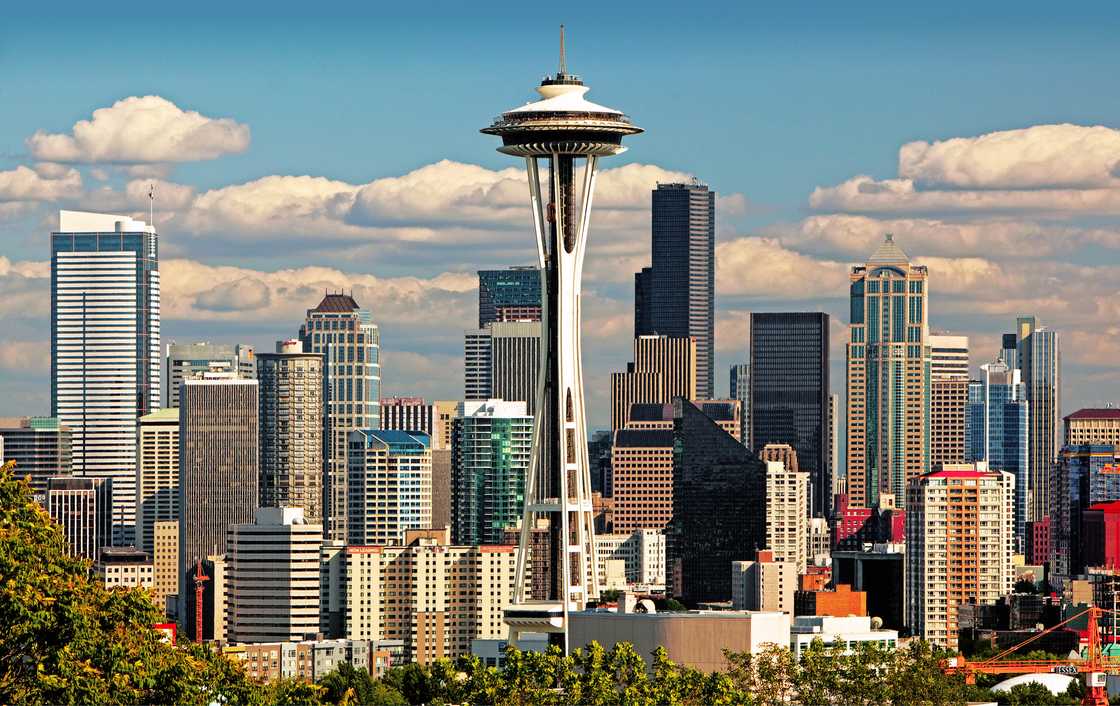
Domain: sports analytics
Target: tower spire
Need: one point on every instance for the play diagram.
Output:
(563, 59)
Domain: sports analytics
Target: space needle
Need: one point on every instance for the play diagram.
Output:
(569, 134)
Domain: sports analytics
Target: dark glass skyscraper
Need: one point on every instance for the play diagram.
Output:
(719, 507)
(681, 284)
(789, 393)
(513, 294)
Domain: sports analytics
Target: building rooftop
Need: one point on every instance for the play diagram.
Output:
(165, 414)
(340, 302)
(1094, 413)
(888, 253)
(89, 222)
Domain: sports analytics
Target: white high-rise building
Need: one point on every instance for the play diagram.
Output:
(643, 554)
(272, 577)
(960, 536)
(787, 518)
(105, 367)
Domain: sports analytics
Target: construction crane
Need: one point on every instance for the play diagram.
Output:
(1094, 665)
(200, 578)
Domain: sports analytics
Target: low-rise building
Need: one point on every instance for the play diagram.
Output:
(765, 584)
(308, 660)
(124, 567)
(845, 632)
(695, 639)
(841, 602)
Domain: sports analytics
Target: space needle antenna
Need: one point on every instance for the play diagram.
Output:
(563, 61)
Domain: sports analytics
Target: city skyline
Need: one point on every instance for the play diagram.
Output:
(972, 210)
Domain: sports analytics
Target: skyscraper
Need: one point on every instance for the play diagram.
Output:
(40, 446)
(1039, 354)
(157, 474)
(643, 302)
(390, 485)
(888, 375)
(942, 570)
(502, 361)
(1083, 476)
(512, 294)
(664, 369)
(350, 344)
(219, 474)
(681, 285)
(492, 443)
(787, 519)
(105, 367)
(291, 429)
(789, 393)
(949, 376)
(187, 360)
(997, 432)
(741, 390)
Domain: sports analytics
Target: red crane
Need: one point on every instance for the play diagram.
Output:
(200, 578)
(1094, 665)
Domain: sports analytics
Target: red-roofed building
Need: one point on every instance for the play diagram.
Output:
(1093, 426)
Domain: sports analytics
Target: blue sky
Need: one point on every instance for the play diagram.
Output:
(765, 102)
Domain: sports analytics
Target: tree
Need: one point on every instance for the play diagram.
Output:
(1025, 586)
(65, 639)
(1032, 694)
(355, 687)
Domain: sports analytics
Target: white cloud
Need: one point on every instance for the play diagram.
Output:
(761, 267)
(26, 184)
(1037, 157)
(142, 129)
(25, 356)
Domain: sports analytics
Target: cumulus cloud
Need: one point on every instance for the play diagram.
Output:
(25, 356)
(245, 294)
(142, 129)
(1037, 157)
(761, 267)
(1057, 170)
(49, 184)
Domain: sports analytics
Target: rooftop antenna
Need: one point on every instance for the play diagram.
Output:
(152, 205)
(563, 61)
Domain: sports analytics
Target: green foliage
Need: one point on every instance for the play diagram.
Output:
(609, 595)
(1035, 695)
(673, 606)
(1025, 586)
(355, 687)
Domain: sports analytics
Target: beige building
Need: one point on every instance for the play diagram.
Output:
(291, 429)
(888, 375)
(642, 554)
(272, 577)
(820, 540)
(157, 474)
(695, 639)
(1093, 426)
(664, 368)
(433, 596)
(787, 514)
(960, 537)
(165, 561)
(765, 584)
(642, 479)
(123, 567)
(948, 401)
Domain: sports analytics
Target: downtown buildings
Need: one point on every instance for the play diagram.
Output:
(40, 446)
(1039, 355)
(105, 363)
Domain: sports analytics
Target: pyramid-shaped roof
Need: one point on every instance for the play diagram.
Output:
(888, 253)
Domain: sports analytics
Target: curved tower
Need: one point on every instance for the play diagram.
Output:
(568, 134)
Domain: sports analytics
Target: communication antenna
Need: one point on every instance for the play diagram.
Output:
(152, 205)
(563, 61)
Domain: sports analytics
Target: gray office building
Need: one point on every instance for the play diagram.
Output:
(502, 361)
(40, 446)
(741, 390)
(680, 288)
(187, 360)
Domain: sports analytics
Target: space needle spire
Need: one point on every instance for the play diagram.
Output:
(566, 134)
